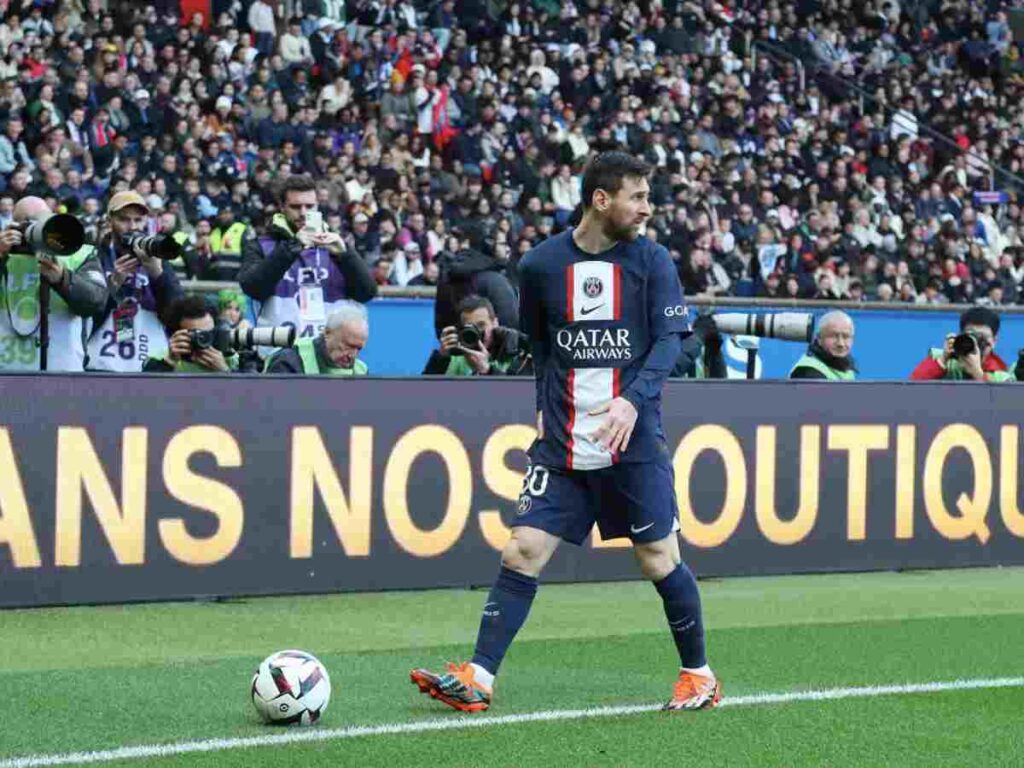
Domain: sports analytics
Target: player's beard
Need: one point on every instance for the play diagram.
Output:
(621, 232)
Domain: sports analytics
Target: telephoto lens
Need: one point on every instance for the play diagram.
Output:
(151, 246)
(60, 234)
(275, 336)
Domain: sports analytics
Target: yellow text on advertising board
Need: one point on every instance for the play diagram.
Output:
(82, 486)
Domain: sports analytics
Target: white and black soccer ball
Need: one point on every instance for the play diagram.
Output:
(291, 688)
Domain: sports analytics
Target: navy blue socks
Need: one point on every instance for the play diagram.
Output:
(506, 609)
(679, 594)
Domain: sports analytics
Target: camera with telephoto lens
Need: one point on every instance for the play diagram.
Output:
(60, 234)
(965, 344)
(788, 326)
(227, 340)
(151, 246)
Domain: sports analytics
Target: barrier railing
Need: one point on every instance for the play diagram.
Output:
(806, 305)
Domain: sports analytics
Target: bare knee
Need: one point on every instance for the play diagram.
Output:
(658, 559)
(528, 551)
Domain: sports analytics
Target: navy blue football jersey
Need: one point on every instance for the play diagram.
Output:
(592, 320)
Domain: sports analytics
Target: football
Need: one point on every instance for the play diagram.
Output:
(291, 688)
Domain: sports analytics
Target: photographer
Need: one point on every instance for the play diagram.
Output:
(190, 325)
(969, 354)
(828, 356)
(77, 291)
(140, 289)
(335, 352)
(479, 346)
(301, 270)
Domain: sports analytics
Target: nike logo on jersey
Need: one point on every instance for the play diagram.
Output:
(588, 310)
(641, 529)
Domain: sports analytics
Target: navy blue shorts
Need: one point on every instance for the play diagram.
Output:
(635, 501)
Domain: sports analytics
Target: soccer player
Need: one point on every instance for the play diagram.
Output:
(604, 310)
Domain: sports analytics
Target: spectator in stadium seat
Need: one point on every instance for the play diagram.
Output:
(300, 271)
(828, 357)
(335, 352)
(978, 362)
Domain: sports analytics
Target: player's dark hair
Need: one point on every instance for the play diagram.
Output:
(980, 316)
(607, 170)
(189, 307)
(472, 303)
(298, 183)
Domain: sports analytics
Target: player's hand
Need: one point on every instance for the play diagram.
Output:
(613, 435)
(449, 341)
(479, 358)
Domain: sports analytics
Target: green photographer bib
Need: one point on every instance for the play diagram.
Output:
(19, 318)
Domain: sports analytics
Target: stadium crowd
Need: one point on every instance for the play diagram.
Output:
(439, 126)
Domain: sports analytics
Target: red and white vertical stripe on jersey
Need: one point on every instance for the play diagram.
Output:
(570, 403)
(593, 293)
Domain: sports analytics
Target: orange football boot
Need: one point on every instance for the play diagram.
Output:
(693, 691)
(457, 688)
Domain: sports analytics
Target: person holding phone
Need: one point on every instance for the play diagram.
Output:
(301, 271)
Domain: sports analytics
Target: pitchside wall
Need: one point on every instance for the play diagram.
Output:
(128, 488)
(889, 343)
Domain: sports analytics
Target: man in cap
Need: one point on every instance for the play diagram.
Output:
(139, 289)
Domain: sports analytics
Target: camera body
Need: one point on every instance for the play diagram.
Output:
(227, 340)
(145, 246)
(470, 336)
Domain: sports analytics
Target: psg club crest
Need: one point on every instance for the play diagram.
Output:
(593, 287)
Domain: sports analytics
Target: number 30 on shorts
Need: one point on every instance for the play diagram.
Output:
(536, 480)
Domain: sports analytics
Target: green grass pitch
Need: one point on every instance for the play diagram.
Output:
(77, 680)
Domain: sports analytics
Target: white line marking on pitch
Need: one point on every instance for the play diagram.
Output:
(469, 721)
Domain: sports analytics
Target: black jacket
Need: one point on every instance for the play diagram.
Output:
(259, 275)
(473, 272)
